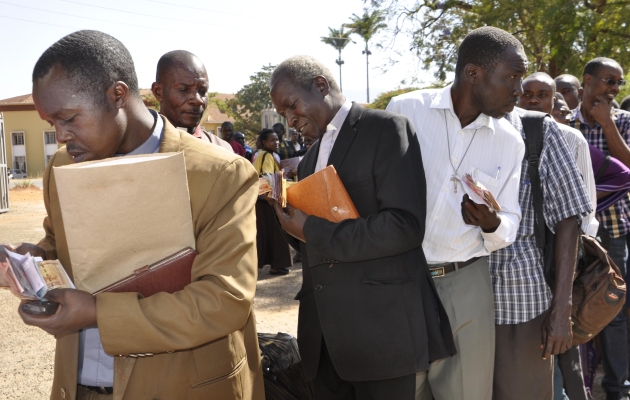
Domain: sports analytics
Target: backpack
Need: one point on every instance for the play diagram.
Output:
(599, 291)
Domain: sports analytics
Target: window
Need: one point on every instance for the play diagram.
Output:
(18, 138)
(49, 137)
(48, 159)
(19, 162)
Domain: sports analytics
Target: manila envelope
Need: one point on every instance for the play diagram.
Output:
(123, 213)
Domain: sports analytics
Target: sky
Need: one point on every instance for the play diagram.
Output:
(234, 39)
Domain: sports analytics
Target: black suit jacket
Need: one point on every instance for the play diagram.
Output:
(366, 286)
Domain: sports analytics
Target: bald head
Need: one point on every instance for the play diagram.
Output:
(175, 59)
(571, 88)
(541, 77)
(181, 88)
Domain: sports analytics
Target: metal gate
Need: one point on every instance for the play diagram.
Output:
(4, 176)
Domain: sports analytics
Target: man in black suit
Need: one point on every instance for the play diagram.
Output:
(369, 315)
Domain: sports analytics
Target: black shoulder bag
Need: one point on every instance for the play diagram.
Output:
(545, 239)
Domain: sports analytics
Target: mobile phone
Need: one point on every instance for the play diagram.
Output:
(40, 307)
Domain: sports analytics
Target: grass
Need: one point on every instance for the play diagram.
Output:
(23, 184)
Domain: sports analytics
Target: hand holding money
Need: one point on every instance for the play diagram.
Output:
(480, 215)
(77, 310)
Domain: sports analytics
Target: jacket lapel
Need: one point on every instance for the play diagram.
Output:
(346, 136)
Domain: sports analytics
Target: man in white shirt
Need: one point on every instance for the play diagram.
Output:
(461, 131)
(369, 315)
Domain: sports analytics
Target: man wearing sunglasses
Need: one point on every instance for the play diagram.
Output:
(609, 130)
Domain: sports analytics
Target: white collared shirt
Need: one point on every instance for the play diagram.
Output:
(580, 151)
(494, 158)
(332, 131)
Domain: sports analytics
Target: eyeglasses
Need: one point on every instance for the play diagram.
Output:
(612, 82)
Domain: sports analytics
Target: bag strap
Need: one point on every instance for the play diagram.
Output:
(602, 168)
(533, 127)
(262, 163)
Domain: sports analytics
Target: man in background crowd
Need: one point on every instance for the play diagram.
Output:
(227, 131)
(293, 145)
(539, 94)
(569, 86)
(561, 111)
(181, 88)
(608, 129)
(239, 137)
(283, 148)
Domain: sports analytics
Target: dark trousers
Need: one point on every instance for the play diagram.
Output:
(327, 385)
(614, 337)
(569, 367)
(520, 373)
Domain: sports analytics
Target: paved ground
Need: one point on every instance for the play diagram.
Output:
(26, 354)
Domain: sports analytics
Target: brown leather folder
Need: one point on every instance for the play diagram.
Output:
(323, 195)
(169, 275)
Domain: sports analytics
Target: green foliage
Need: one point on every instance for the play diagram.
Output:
(625, 90)
(383, 99)
(559, 36)
(337, 38)
(367, 25)
(248, 103)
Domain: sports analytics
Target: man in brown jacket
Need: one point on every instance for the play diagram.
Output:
(181, 88)
(198, 343)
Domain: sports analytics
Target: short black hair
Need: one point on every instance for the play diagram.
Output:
(543, 75)
(93, 61)
(278, 127)
(559, 97)
(625, 104)
(485, 47)
(593, 66)
(226, 123)
(170, 59)
(264, 134)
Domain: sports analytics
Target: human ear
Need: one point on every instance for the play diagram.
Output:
(156, 88)
(472, 73)
(118, 93)
(322, 85)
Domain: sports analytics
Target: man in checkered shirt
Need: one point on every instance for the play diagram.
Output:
(609, 130)
(524, 304)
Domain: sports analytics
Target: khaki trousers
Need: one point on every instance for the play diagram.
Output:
(469, 302)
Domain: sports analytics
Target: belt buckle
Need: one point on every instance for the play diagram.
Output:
(437, 272)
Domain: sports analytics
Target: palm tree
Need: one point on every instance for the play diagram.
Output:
(338, 39)
(366, 26)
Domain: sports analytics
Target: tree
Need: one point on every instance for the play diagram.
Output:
(366, 26)
(384, 98)
(338, 39)
(248, 103)
(559, 36)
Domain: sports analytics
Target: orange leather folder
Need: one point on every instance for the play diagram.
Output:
(169, 275)
(323, 195)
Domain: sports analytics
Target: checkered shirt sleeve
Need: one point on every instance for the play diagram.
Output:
(616, 218)
(520, 290)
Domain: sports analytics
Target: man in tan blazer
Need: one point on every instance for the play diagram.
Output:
(198, 343)
(181, 87)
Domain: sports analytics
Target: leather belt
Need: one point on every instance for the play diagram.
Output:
(99, 389)
(440, 271)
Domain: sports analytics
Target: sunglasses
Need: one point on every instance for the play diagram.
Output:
(612, 82)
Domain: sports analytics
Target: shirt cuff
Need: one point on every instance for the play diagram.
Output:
(500, 238)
